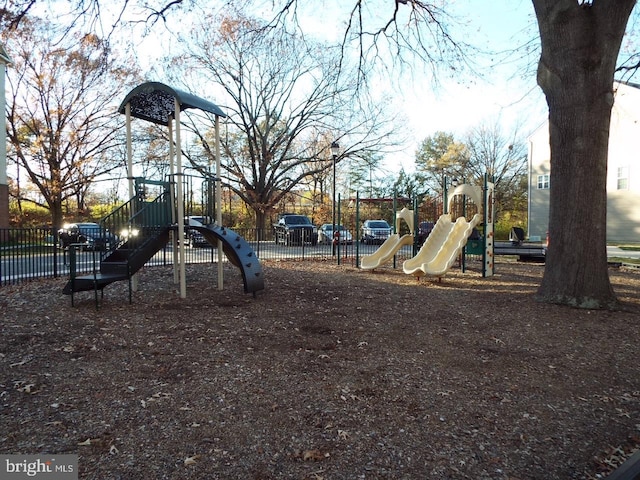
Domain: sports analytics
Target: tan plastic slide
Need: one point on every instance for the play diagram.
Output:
(442, 247)
(387, 250)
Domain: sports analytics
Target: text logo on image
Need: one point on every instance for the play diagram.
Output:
(49, 467)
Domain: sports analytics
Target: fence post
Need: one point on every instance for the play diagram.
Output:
(357, 229)
(337, 226)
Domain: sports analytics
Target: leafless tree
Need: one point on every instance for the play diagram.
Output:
(286, 103)
(90, 14)
(60, 111)
(501, 155)
(401, 33)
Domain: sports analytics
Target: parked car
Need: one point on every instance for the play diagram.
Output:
(325, 234)
(293, 229)
(194, 238)
(91, 235)
(375, 231)
(424, 229)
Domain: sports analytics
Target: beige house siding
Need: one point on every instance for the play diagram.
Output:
(539, 156)
(623, 217)
(623, 173)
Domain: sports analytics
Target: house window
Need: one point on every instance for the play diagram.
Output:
(623, 178)
(543, 182)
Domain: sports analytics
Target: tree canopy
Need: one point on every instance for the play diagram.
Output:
(60, 111)
(485, 149)
(286, 103)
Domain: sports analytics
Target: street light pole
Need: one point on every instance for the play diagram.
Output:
(335, 150)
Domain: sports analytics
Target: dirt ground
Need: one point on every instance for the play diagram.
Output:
(330, 373)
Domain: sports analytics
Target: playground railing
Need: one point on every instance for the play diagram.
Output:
(136, 216)
(118, 220)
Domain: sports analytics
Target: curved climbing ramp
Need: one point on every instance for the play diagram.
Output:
(239, 253)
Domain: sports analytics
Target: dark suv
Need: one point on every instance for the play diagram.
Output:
(91, 235)
(195, 237)
(424, 229)
(293, 229)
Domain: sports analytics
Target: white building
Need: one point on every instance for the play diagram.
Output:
(623, 172)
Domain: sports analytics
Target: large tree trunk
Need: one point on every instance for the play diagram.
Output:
(57, 218)
(580, 45)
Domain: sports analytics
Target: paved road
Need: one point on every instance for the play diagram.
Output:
(43, 264)
(618, 252)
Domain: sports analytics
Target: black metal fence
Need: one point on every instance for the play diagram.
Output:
(27, 253)
(32, 253)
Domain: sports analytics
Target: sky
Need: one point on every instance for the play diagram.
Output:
(496, 91)
(502, 88)
(493, 92)
(499, 89)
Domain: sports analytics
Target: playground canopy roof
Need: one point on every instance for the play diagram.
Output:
(154, 102)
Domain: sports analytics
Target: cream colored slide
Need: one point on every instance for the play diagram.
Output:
(387, 250)
(442, 247)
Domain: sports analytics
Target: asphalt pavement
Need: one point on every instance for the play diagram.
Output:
(620, 253)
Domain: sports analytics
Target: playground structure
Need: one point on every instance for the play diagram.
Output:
(391, 245)
(144, 226)
(447, 239)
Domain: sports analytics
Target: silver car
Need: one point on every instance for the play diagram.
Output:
(375, 231)
(325, 234)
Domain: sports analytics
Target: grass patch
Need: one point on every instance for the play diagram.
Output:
(631, 248)
(634, 261)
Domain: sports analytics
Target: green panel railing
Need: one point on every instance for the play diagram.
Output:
(137, 217)
(118, 222)
(156, 213)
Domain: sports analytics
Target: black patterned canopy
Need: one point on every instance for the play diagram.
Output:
(154, 102)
